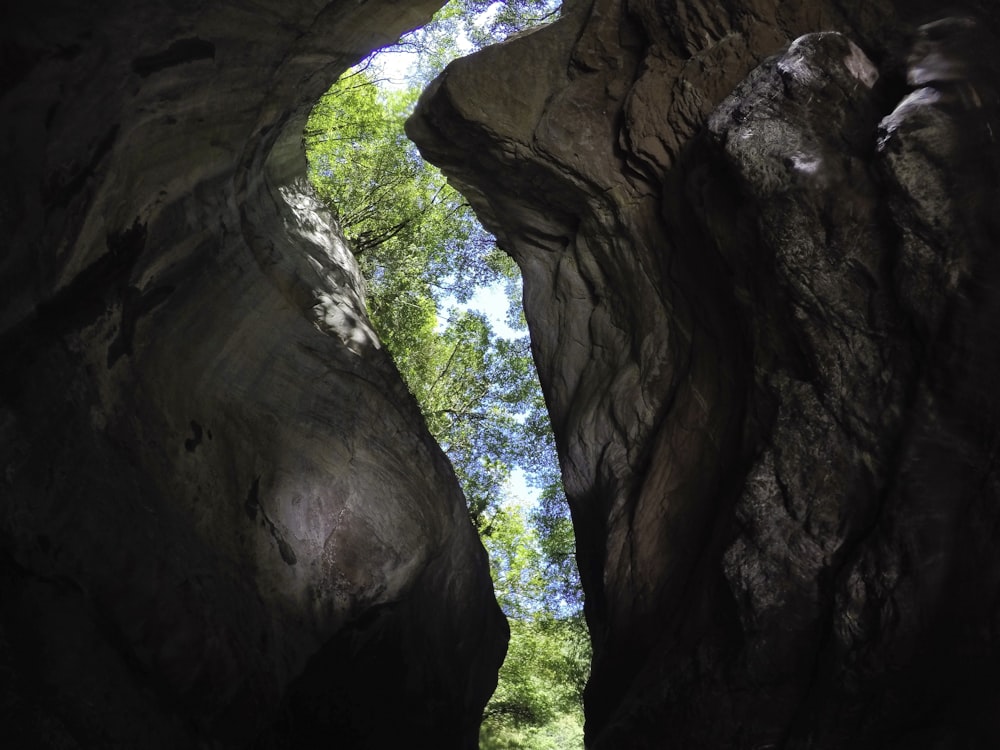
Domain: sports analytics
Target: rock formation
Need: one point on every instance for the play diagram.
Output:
(758, 245)
(223, 522)
(759, 249)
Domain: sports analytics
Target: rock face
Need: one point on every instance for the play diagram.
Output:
(759, 247)
(223, 522)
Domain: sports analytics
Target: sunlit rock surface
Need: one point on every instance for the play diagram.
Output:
(759, 245)
(222, 521)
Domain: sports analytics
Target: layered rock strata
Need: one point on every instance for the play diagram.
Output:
(223, 522)
(758, 242)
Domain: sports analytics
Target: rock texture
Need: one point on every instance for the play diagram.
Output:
(223, 522)
(759, 247)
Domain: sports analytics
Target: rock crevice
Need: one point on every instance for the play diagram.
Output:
(755, 255)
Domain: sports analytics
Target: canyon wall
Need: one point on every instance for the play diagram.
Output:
(223, 522)
(759, 251)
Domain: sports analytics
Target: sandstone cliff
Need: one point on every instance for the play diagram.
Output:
(223, 522)
(759, 248)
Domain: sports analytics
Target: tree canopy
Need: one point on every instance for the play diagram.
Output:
(424, 256)
(465, 25)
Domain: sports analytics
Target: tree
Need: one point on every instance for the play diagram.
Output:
(465, 25)
(423, 254)
(419, 247)
(538, 701)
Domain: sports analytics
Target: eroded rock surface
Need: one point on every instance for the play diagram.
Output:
(759, 247)
(223, 522)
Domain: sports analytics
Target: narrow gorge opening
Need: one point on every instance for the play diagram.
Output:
(446, 303)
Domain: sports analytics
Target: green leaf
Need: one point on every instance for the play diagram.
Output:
(423, 255)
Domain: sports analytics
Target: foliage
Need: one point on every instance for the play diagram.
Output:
(424, 255)
(538, 701)
(418, 243)
(464, 25)
(402, 219)
(558, 546)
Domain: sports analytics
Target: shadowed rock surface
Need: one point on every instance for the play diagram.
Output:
(759, 248)
(223, 522)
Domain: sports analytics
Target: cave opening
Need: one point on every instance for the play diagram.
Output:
(446, 303)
